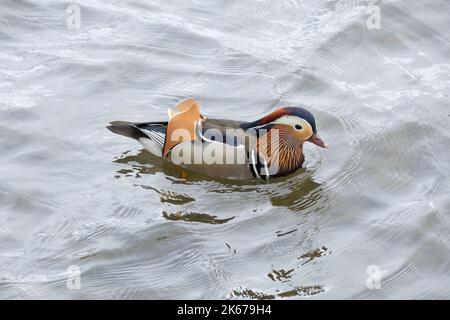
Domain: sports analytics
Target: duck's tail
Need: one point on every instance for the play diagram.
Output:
(151, 135)
(125, 128)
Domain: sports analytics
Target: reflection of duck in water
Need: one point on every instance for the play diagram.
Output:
(269, 147)
(301, 193)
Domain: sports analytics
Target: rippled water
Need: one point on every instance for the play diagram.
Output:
(73, 194)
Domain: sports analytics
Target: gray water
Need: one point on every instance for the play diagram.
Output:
(372, 210)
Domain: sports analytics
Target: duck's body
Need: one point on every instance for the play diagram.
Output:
(268, 147)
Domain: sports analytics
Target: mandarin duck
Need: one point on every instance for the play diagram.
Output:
(269, 147)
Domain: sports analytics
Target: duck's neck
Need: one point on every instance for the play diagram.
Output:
(282, 153)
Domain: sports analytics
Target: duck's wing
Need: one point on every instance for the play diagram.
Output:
(160, 137)
(226, 131)
(186, 125)
(182, 125)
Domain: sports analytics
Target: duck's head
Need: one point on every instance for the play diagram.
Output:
(295, 121)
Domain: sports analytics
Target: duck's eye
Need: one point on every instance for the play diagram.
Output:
(298, 127)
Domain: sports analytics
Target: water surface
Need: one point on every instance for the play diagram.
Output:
(74, 194)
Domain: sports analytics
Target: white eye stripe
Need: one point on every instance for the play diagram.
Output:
(302, 134)
(293, 121)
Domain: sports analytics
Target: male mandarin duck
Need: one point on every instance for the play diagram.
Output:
(266, 148)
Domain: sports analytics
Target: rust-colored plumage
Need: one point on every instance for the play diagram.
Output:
(282, 153)
(181, 126)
